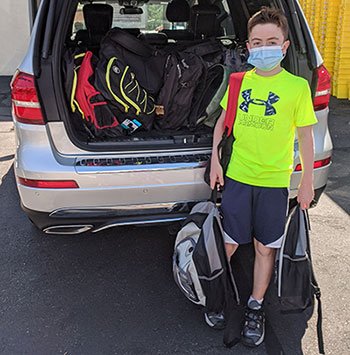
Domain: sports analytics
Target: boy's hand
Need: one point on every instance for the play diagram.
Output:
(216, 173)
(305, 194)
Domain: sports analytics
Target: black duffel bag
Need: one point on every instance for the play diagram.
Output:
(144, 60)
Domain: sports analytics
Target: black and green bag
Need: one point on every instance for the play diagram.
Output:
(118, 84)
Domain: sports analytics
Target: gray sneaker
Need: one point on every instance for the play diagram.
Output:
(215, 320)
(254, 327)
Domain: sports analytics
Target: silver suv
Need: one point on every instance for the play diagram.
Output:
(68, 184)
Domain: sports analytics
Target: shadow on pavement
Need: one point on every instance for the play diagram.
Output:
(111, 292)
(7, 157)
(338, 188)
(5, 99)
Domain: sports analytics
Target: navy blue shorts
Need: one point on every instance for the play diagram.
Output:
(252, 211)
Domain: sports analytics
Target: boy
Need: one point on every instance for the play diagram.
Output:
(272, 103)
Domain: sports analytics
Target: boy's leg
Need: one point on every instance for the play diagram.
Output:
(236, 208)
(269, 217)
(230, 249)
(254, 328)
(263, 268)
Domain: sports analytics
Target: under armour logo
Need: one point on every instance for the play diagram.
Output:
(269, 110)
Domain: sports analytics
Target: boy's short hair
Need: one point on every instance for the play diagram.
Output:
(269, 15)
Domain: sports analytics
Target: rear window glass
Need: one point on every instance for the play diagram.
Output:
(226, 22)
(153, 18)
(254, 6)
(78, 23)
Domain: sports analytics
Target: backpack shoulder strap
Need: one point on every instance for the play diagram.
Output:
(317, 293)
(315, 287)
(76, 66)
(235, 84)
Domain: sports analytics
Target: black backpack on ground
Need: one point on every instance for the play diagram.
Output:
(297, 287)
(201, 268)
(200, 265)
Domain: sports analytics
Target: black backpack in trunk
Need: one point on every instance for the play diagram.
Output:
(90, 111)
(210, 50)
(144, 60)
(192, 77)
(206, 103)
(182, 74)
(131, 103)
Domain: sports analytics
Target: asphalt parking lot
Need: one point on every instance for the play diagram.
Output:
(113, 292)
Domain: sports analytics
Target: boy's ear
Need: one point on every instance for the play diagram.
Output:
(285, 46)
(248, 45)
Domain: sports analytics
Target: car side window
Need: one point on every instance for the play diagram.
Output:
(226, 23)
(254, 6)
(78, 23)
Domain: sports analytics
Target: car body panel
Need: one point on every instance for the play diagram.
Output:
(127, 193)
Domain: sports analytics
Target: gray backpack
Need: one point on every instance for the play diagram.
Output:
(200, 266)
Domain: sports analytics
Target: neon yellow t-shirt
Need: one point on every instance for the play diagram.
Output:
(269, 109)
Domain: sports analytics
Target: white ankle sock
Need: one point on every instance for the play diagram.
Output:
(251, 299)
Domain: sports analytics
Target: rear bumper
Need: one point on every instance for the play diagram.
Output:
(76, 221)
(141, 191)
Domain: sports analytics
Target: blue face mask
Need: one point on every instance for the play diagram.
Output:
(265, 58)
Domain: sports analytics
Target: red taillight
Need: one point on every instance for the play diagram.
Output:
(25, 100)
(49, 184)
(323, 90)
(317, 164)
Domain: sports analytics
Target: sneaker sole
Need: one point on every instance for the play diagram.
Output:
(253, 345)
(212, 325)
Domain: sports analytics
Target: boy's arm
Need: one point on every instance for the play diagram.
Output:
(306, 149)
(216, 173)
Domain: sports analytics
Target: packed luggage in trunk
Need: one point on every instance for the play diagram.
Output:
(127, 84)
